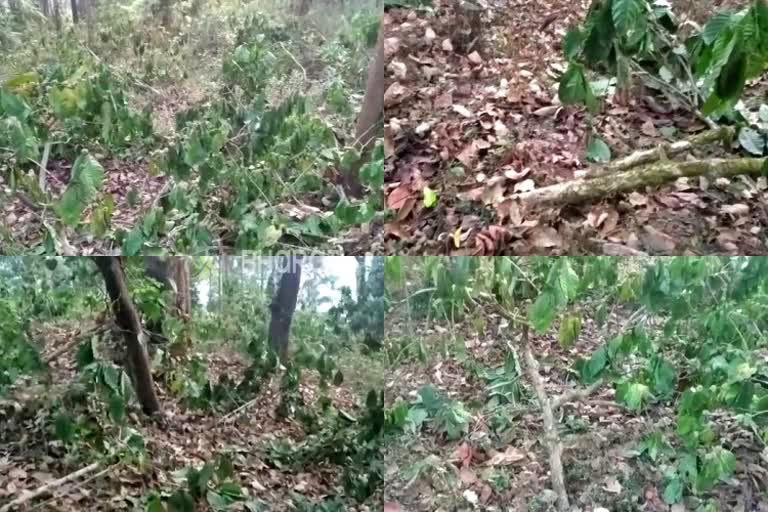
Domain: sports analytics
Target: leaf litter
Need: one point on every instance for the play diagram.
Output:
(472, 113)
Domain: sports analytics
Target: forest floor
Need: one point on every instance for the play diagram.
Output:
(478, 120)
(30, 456)
(188, 76)
(500, 462)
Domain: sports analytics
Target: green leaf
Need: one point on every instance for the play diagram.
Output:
(64, 428)
(181, 501)
(430, 197)
(719, 464)
(14, 106)
(632, 394)
(626, 15)
(592, 369)
(542, 312)
(673, 491)
(573, 42)
(715, 26)
(133, 242)
(225, 469)
(216, 501)
(573, 85)
(85, 183)
(116, 408)
(752, 141)
(664, 376)
(155, 504)
(64, 101)
(598, 150)
(733, 76)
(570, 328)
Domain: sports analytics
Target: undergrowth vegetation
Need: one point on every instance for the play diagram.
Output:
(551, 383)
(240, 117)
(304, 433)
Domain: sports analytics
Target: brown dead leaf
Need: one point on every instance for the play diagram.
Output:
(399, 69)
(468, 154)
(545, 237)
(656, 240)
(447, 45)
(429, 35)
(392, 506)
(475, 58)
(463, 454)
(394, 94)
(445, 100)
(462, 110)
(398, 197)
(467, 476)
(505, 458)
(391, 46)
(649, 129)
(735, 209)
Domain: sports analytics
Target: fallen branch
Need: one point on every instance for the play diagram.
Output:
(551, 437)
(44, 165)
(575, 395)
(661, 152)
(582, 190)
(74, 341)
(29, 495)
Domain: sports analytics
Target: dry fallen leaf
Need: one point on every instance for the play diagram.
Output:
(429, 35)
(505, 458)
(462, 110)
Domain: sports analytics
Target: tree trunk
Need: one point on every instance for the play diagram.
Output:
(127, 319)
(301, 7)
(57, 15)
(284, 304)
(371, 114)
(183, 302)
(75, 13)
(362, 290)
(45, 8)
(165, 9)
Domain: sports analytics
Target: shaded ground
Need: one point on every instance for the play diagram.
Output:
(472, 113)
(501, 463)
(31, 457)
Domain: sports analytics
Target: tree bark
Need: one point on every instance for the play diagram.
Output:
(57, 15)
(369, 121)
(183, 300)
(284, 304)
(582, 190)
(127, 319)
(362, 289)
(75, 13)
(551, 437)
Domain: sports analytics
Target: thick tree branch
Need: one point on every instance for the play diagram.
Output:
(583, 190)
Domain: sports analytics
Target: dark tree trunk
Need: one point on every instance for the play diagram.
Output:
(127, 320)
(371, 113)
(75, 12)
(284, 304)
